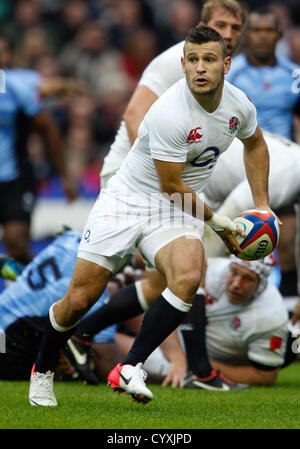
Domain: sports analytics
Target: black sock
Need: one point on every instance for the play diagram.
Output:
(288, 283)
(123, 305)
(193, 333)
(159, 322)
(52, 342)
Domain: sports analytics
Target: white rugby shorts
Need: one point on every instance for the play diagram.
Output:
(122, 220)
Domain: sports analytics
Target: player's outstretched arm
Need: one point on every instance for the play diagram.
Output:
(45, 125)
(57, 86)
(257, 162)
(247, 374)
(141, 100)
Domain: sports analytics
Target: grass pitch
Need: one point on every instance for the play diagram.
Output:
(98, 407)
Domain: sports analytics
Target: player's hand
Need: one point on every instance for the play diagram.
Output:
(226, 228)
(175, 375)
(271, 212)
(70, 188)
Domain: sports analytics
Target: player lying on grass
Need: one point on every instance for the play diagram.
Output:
(243, 322)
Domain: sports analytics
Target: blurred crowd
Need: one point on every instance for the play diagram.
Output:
(106, 45)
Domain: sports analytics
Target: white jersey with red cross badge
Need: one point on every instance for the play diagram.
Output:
(178, 129)
(240, 334)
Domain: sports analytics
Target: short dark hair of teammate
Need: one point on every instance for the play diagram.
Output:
(202, 34)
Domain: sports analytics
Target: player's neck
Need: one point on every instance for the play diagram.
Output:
(261, 62)
(210, 101)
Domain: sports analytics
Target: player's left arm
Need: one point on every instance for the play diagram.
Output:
(247, 374)
(57, 86)
(257, 163)
(45, 125)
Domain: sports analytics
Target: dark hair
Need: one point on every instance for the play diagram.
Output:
(202, 34)
(265, 11)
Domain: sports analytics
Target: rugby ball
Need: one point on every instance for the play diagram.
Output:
(261, 234)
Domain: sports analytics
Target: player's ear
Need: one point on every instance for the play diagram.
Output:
(183, 64)
(227, 64)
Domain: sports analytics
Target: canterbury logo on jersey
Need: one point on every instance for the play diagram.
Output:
(194, 135)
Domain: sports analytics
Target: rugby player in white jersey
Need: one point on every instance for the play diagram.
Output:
(178, 144)
(245, 326)
(227, 17)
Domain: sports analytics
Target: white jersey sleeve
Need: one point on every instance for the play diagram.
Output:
(268, 349)
(164, 70)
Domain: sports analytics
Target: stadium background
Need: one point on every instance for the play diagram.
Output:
(105, 44)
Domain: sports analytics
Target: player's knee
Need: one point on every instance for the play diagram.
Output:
(80, 300)
(185, 283)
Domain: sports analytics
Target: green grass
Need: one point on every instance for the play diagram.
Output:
(98, 407)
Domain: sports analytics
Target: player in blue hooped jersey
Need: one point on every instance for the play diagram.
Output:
(25, 304)
(267, 79)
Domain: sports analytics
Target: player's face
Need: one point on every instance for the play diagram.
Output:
(241, 284)
(204, 66)
(262, 35)
(228, 25)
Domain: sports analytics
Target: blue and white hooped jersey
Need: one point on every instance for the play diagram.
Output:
(270, 89)
(20, 101)
(45, 281)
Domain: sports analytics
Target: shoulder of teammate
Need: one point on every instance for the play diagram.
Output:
(164, 70)
(24, 84)
(268, 310)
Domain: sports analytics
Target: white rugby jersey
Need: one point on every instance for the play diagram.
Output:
(228, 179)
(177, 129)
(236, 334)
(162, 72)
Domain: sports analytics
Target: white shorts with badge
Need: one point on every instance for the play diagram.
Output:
(122, 220)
